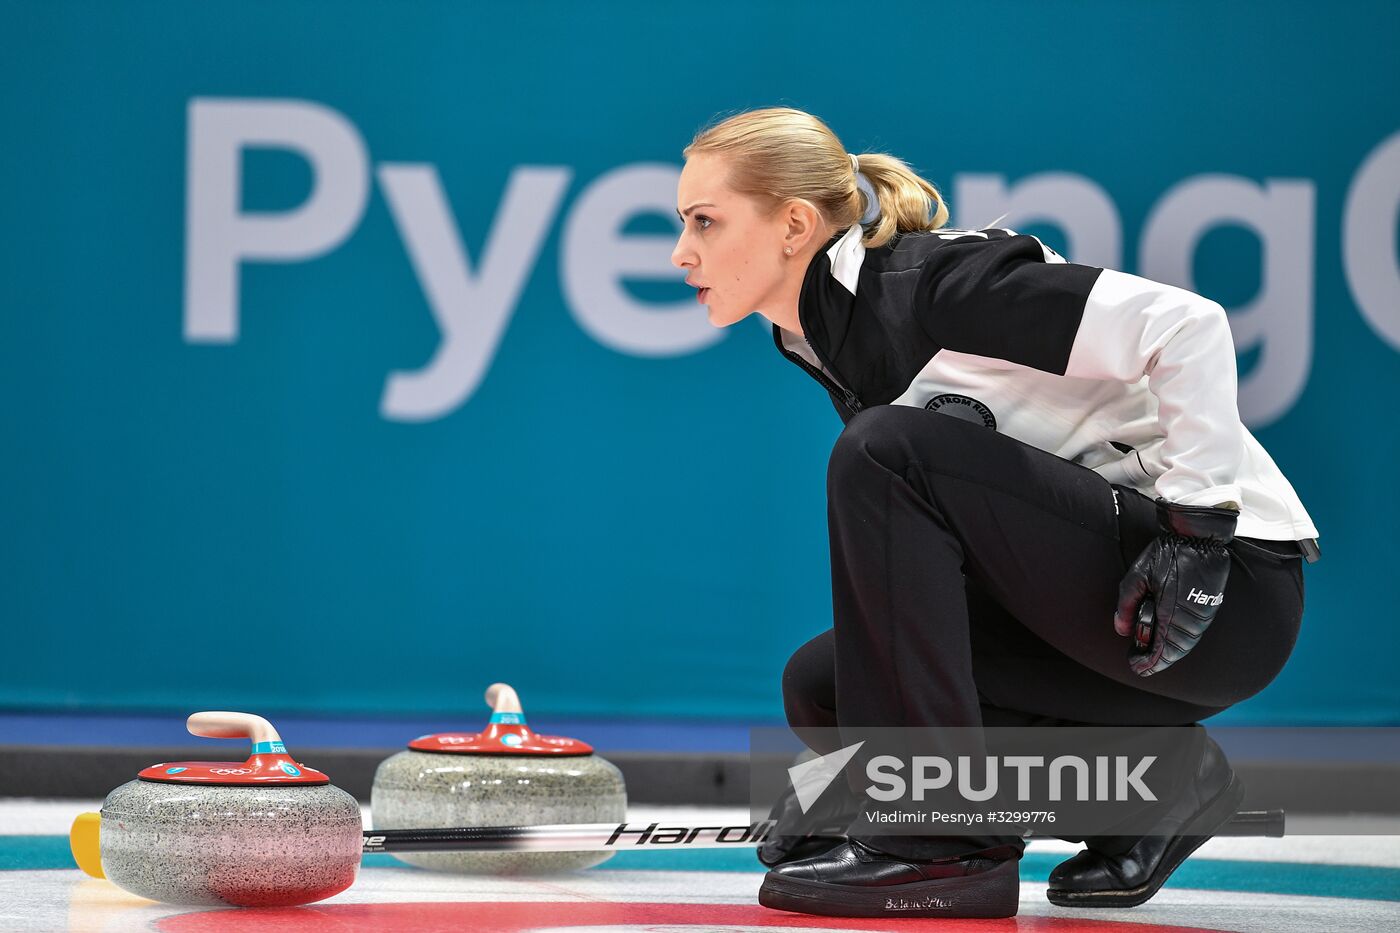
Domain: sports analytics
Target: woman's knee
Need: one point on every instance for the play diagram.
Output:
(809, 684)
(881, 437)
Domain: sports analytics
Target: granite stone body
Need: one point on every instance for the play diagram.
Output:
(420, 790)
(246, 846)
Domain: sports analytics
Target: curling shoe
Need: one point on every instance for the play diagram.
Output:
(1094, 878)
(854, 880)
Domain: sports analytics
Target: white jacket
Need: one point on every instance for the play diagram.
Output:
(1128, 377)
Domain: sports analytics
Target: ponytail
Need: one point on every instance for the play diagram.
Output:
(778, 154)
(908, 202)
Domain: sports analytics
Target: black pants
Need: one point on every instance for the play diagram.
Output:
(974, 581)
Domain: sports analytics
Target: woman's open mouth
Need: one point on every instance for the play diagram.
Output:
(701, 295)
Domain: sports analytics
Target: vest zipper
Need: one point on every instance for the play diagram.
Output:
(848, 398)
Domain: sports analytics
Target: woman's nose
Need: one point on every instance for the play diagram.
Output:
(680, 256)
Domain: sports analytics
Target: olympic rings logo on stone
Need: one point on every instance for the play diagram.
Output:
(230, 770)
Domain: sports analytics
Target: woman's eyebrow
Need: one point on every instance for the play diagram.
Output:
(693, 207)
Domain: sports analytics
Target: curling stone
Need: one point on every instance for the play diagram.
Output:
(266, 832)
(507, 775)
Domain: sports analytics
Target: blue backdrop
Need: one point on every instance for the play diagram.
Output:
(344, 368)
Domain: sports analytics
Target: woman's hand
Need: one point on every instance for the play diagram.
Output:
(1173, 590)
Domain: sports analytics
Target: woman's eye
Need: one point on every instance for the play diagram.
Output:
(703, 221)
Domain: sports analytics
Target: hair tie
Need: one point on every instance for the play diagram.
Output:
(871, 211)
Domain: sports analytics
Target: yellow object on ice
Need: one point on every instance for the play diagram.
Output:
(85, 841)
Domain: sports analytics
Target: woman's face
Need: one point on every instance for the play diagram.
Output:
(729, 251)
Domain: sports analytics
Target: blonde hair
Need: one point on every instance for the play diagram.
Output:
(778, 153)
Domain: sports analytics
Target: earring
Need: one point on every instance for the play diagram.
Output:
(788, 250)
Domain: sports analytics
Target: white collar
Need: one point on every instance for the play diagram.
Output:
(846, 256)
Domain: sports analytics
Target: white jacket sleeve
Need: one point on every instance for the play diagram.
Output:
(1181, 342)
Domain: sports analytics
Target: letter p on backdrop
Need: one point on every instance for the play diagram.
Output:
(219, 236)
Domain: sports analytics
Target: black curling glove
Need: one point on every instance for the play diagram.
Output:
(1174, 589)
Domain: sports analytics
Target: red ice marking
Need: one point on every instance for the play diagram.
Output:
(517, 917)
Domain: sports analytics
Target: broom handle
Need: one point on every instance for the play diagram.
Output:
(585, 837)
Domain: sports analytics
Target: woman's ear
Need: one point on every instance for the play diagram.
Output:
(803, 222)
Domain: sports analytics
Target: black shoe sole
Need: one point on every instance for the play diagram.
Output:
(995, 892)
(1193, 835)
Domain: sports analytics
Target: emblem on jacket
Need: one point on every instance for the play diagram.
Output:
(964, 407)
